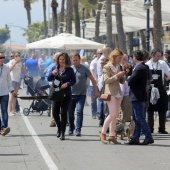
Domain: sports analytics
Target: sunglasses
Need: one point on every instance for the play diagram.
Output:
(2, 57)
(100, 53)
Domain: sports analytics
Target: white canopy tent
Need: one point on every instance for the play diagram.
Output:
(65, 41)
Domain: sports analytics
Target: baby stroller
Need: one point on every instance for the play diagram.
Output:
(40, 103)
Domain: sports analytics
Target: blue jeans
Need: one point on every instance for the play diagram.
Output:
(102, 115)
(17, 107)
(169, 106)
(77, 101)
(93, 101)
(4, 111)
(140, 122)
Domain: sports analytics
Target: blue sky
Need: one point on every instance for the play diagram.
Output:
(12, 12)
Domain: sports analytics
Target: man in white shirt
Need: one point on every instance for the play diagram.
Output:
(158, 68)
(93, 70)
(5, 88)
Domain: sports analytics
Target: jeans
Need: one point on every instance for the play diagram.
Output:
(102, 115)
(169, 106)
(4, 111)
(93, 101)
(140, 122)
(17, 107)
(77, 101)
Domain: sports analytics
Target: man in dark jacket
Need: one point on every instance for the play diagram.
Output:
(138, 97)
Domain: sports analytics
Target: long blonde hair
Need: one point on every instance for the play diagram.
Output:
(116, 52)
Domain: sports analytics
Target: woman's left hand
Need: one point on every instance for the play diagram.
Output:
(64, 85)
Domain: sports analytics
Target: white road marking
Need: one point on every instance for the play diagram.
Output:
(39, 144)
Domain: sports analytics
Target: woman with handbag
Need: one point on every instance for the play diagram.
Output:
(112, 77)
(63, 76)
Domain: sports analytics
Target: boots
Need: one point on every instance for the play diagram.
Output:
(62, 136)
(103, 138)
(113, 139)
(58, 133)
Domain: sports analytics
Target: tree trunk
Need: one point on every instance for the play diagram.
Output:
(97, 23)
(157, 24)
(45, 19)
(115, 41)
(69, 17)
(62, 16)
(143, 38)
(54, 6)
(77, 18)
(109, 23)
(27, 5)
(120, 29)
(130, 35)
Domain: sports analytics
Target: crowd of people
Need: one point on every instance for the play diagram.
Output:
(137, 89)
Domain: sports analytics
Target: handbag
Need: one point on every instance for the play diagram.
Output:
(56, 93)
(104, 96)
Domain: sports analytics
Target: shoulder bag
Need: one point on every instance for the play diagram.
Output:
(104, 96)
(56, 93)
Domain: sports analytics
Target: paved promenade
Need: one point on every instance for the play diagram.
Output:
(33, 145)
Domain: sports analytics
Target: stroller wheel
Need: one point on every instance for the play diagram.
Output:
(40, 113)
(26, 111)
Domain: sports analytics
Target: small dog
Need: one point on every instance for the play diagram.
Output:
(122, 129)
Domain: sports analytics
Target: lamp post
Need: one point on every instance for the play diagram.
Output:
(147, 4)
(83, 23)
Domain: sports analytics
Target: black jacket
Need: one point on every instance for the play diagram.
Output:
(138, 82)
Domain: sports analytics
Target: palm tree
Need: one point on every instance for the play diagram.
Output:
(120, 29)
(157, 24)
(97, 23)
(109, 23)
(27, 6)
(62, 16)
(89, 5)
(77, 18)
(54, 6)
(69, 16)
(34, 32)
(45, 20)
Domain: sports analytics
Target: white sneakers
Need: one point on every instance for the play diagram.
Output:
(12, 114)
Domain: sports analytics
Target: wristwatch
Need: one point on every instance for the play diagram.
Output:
(12, 91)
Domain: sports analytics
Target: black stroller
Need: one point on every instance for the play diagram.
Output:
(40, 103)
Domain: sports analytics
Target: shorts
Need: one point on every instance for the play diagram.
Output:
(15, 84)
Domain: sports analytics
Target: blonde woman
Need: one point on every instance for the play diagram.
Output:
(112, 77)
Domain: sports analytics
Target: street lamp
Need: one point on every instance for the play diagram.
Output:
(83, 23)
(147, 5)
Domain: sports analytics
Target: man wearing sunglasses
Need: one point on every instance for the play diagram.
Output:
(5, 89)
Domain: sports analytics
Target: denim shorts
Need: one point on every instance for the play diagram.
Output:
(15, 84)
